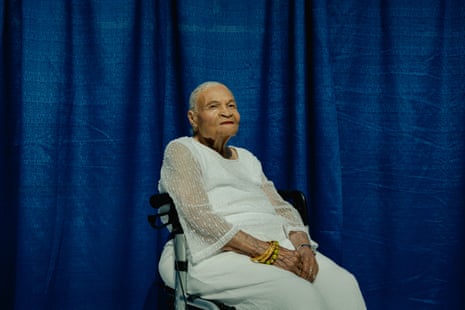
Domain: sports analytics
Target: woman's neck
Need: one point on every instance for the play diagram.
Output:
(217, 145)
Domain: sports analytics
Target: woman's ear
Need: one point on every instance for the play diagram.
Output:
(192, 116)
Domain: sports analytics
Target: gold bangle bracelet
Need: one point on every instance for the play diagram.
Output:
(269, 252)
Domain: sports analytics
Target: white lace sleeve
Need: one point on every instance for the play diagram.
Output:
(283, 208)
(206, 232)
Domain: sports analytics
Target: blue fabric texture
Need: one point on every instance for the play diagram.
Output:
(360, 104)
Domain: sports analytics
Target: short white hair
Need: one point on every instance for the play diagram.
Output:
(198, 90)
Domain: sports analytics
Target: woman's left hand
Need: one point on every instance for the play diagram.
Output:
(309, 268)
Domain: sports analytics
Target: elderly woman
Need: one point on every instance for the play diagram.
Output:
(247, 247)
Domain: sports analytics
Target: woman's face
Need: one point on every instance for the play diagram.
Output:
(216, 115)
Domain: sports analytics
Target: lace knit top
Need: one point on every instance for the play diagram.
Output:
(216, 197)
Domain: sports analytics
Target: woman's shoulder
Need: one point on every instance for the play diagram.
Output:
(182, 140)
(179, 146)
(175, 143)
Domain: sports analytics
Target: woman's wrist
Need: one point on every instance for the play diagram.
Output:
(270, 255)
(307, 245)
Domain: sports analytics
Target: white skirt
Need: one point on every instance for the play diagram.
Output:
(237, 281)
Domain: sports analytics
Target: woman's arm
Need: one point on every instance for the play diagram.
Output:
(283, 208)
(181, 176)
(297, 232)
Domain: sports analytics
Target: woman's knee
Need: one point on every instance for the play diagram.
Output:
(296, 293)
(166, 266)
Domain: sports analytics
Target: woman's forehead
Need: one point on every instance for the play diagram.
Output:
(216, 93)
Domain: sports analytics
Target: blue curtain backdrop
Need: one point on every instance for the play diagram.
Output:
(360, 104)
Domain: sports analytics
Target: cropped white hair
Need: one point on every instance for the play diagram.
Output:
(199, 89)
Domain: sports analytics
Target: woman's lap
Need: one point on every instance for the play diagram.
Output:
(235, 280)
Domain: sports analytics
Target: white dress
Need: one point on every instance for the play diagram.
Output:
(215, 198)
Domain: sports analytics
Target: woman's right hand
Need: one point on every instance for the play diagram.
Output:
(289, 260)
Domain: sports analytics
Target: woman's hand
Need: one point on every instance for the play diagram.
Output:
(301, 242)
(309, 264)
(302, 262)
(289, 260)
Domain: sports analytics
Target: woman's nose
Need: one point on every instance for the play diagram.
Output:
(225, 111)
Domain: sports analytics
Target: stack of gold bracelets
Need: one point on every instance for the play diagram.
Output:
(269, 256)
